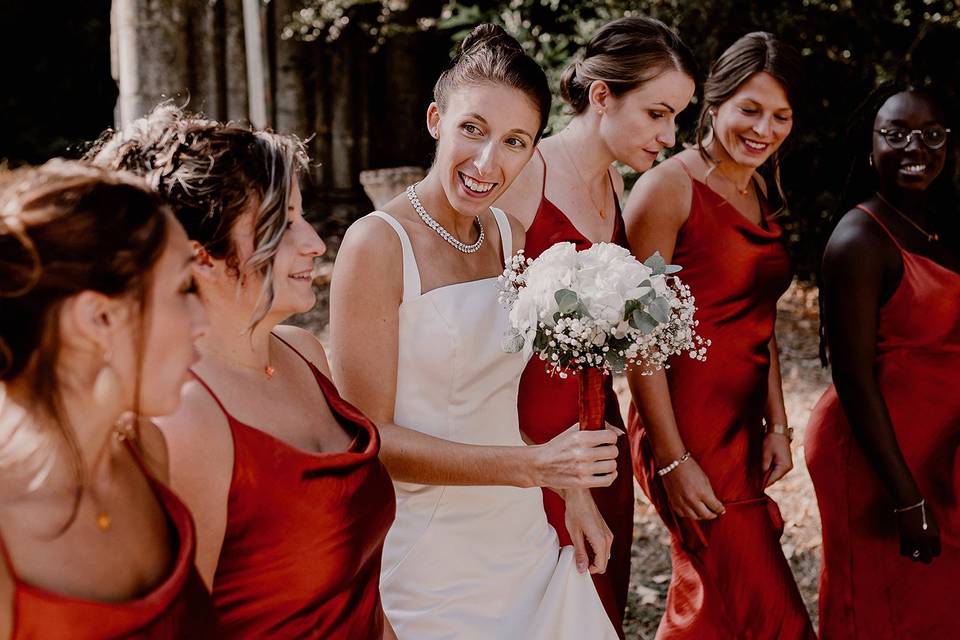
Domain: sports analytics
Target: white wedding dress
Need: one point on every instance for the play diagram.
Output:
(465, 563)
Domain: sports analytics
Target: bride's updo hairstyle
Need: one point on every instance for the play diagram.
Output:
(65, 228)
(488, 55)
(214, 174)
(625, 54)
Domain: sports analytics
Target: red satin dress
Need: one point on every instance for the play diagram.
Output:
(867, 589)
(179, 607)
(548, 406)
(730, 578)
(304, 537)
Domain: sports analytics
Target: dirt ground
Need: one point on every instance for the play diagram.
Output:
(804, 381)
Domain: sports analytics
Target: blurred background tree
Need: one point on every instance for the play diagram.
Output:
(849, 47)
(356, 74)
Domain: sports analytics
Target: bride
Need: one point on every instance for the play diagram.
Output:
(416, 333)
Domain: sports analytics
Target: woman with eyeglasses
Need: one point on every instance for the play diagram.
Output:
(883, 443)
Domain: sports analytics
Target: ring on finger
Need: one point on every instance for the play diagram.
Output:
(916, 553)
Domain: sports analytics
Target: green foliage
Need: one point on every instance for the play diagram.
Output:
(849, 48)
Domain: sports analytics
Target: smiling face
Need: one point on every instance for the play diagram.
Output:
(639, 124)
(755, 121)
(915, 166)
(485, 136)
(293, 261)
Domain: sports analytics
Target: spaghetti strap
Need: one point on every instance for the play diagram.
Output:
(411, 273)
(506, 233)
(686, 169)
(543, 187)
(876, 219)
(210, 391)
(294, 349)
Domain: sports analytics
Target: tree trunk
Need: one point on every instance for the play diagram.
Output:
(290, 99)
(235, 62)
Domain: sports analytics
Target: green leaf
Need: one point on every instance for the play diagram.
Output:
(567, 301)
(656, 263)
(672, 269)
(643, 321)
(659, 309)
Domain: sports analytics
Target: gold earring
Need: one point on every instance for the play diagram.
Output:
(870, 159)
(106, 386)
(600, 112)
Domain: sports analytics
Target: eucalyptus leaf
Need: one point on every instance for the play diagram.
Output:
(567, 301)
(672, 269)
(660, 310)
(656, 263)
(643, 321)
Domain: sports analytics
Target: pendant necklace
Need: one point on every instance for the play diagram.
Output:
(586, 185)
(931, 237)
(428, 220)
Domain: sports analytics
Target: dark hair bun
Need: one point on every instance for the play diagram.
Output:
(488, 36)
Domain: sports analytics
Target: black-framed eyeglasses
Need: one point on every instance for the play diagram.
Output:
(933, 137)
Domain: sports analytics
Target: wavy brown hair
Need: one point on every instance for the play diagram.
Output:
(65, 228)
(213, 174)
(757, 52)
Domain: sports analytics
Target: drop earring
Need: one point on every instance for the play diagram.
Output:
(106, 386)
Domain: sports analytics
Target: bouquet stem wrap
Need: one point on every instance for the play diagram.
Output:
(592, 399)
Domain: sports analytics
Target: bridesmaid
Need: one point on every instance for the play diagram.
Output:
(282, 474)
(417, 332)
(98, 314)
(635, 77)
(883, 445)
(708, 438)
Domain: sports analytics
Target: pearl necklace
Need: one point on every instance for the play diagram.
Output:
(436, 226)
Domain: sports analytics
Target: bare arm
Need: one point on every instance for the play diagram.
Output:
(656, 211)
(777, 459)
(366, 292)
(861, 267)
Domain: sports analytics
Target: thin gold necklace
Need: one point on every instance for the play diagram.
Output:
(931, 237)
(716, 169)
(586, 185)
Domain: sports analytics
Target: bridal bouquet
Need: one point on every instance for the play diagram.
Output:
(596, 312)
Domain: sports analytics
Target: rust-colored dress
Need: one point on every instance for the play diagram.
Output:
(730, 577)
(179, 607)
(304, 537)
(867, 589)
(548, 406)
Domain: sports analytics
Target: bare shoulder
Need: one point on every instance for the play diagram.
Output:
(306, 343)
(197, 428)
(857, 242)
(663, 192)
(522, 199)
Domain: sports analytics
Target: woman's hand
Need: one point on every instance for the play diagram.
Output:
(690, 493)
(586, 526)
(777, 457)
(917, 543)
(577, 459)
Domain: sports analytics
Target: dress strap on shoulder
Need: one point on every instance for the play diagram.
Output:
(876, 219)
(210, 391)
(506, 233)
(543, 187)
(411, 273)
(686, 169)
(294, 349)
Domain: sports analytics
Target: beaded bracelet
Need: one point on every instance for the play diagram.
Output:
(662, 471)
